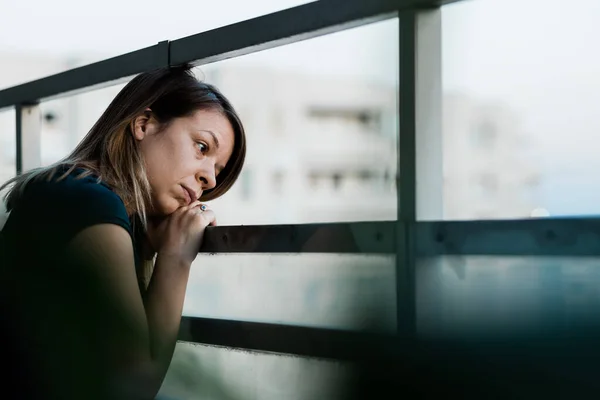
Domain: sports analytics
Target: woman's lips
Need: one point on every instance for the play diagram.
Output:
(189, 195)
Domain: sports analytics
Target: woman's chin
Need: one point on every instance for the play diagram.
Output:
(163, 209)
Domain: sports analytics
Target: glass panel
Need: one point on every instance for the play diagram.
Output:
(321, 290)
(520, 104)
(322, 134)
(67, 120)
(209, 372)
(474, 295)
(8, 150)
(71, 30)
(329, 128)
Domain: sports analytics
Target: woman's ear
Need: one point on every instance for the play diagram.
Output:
(140, 124)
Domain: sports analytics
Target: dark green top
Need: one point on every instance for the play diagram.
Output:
(60, 318)
(52, 213)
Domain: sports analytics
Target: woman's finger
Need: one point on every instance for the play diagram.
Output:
(199, 208)
(192, 205)
(206, 216)
(182, 210)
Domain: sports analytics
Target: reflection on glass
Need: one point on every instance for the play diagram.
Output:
(520, 102)
(209, 372)
(325, 290)
(473, 295)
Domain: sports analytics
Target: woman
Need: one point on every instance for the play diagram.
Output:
(97, 248)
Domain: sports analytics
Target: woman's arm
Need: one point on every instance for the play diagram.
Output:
(145, 353)
(164, 306)
(107, 251)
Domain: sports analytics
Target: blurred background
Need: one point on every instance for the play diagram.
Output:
(520, 95)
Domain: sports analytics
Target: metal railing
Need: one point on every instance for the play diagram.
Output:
(419, 130)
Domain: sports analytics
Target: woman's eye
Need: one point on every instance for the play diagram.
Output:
(202, 147)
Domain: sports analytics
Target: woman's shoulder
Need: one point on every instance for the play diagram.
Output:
(76, 199)
(78, 188)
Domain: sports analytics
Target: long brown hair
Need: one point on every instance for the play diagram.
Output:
(110, 151)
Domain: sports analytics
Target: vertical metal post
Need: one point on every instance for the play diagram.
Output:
(429, 140)
(29, 128)
(163, 56)
(407, 176)
(420, 174)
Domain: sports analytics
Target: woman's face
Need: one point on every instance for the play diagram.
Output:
(185, 158)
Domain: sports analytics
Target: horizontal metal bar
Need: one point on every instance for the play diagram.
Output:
(423, 4)
(287, 339)
(356, 345)
(105, 72)
(569, 237)
(358, 237)
(471, 367)
(287, 26)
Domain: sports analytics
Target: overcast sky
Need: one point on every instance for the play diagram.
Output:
(539, 56)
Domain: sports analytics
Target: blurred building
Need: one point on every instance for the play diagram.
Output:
(487, 174)
(320, 149)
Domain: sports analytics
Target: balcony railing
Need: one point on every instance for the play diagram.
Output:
(409, 238)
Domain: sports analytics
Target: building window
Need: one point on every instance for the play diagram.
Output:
(337, 180)
(366, 175)
(50, 117)
(365, 120)
(485, 134)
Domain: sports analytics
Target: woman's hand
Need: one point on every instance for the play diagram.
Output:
(180, 234)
